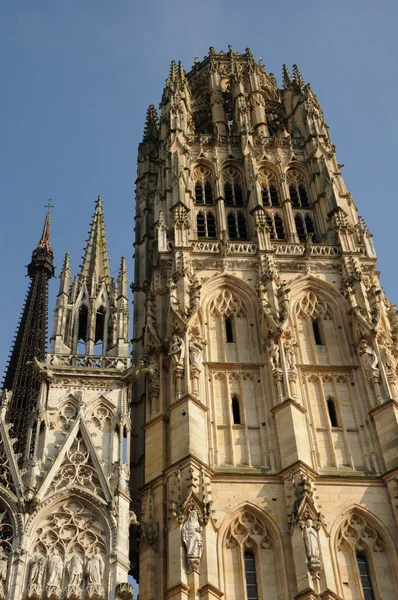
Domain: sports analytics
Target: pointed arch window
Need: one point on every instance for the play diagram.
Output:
(251, 575)
(235, 405)
(364, 575)
(304, 226)
(269, 189)
(206, 224)
(237, 227)
(334, 422)
(298, 189)
(233, 188)
(202, 113)
(203, 185)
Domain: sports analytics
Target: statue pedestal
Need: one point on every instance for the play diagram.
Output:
(73, 592)
(94, 591)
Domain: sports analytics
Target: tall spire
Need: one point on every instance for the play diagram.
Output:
(30, 341)
(95, 267)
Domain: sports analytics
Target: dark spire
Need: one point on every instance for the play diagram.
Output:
(151, 125)
(30, 341)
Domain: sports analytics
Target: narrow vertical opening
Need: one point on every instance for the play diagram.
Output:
(332, 412)
(229, 331)
(211, 225)
(280, 232)
(294, 196)
(232, 228)
(33, 440)
(82, 330)
(124, 445)
(208, 193)
(364, 574)
(200, 225)
(251, 576)
(303, 196)
(198, 193)
(274, 196)
(317, 332)
(99, 331)
(236, 410)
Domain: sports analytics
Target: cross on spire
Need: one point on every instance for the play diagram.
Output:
(49, 205)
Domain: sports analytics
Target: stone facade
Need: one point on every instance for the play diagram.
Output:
(265, 432)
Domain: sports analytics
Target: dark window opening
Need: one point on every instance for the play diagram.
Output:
(201, 225)
(317, 332)
(211, 225)
(280, 233)
(300, 229)
(236, 410)
(33, 440)
(232, 229)
(229, 332)
(83, 317)
(198, 193)
(99, 325)
(251, 576)
(332, 412)
(208, 193)
(233, 194)
(309, 225)
(265, 196)
(274, 196)
(294, 196)
(238, 195)
(364, 574)
(303, 196)
(229, 196)
(242, 230)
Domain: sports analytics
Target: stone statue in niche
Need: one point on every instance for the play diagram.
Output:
(369, 360)
(311, 542)
(176, 351)
(3, 571)
(192, 538)
(36, 574)
(310, 535)
(55, 568)
(290, 356)
(75, 572)
(195, 353)
(95, 572)
(274, 354)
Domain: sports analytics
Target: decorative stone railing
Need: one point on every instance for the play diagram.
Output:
(242, 248)
(205, 247)
(93, 362)
(205, 138)
(299, 249)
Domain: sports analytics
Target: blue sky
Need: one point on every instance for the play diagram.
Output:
(78, 75)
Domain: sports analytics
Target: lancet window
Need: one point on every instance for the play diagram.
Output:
(234, 200)
(203, 185)
(304, 226)
(363, 559)
(298, 189)
(250, 559)
(206, 223)
(269, 189)
(202, 113)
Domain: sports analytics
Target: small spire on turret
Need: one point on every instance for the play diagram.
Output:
(151, 124)
(287, 81)
(173, 73)
(181, 73)
(95, 266)
(64, 277)
(273, 79)
(122, 280)
(297, 78)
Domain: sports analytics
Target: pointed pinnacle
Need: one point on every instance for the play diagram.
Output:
(66, 263)
(173, 71)
(151, 124)
(181, 72)
(95, 259)
(45, 236)
(287, 81)
(297, 78)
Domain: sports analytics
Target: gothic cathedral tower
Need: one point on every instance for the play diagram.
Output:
(65, 435)
(265, 433)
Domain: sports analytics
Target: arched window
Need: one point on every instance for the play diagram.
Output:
(229, 331)
(206, 224)
(251, 575)
(237, 228)
(203, 185)
(235, 410)
(334, 422)
(99, 330)
(364, 575)
(304, 226)
(269, 190)
(82, 329)
(298, 189)
(275, 223)
(233, 189)
(316, 328)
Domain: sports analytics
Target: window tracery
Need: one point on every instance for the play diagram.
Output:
(298, 189)
(269, 188)
(6, 478)
(233, 189)
(312, 307)
(360, 535)
(203, 185)
(227, 304)
(77, 469)
(6, 530)
(206, 223)
(248, 531)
